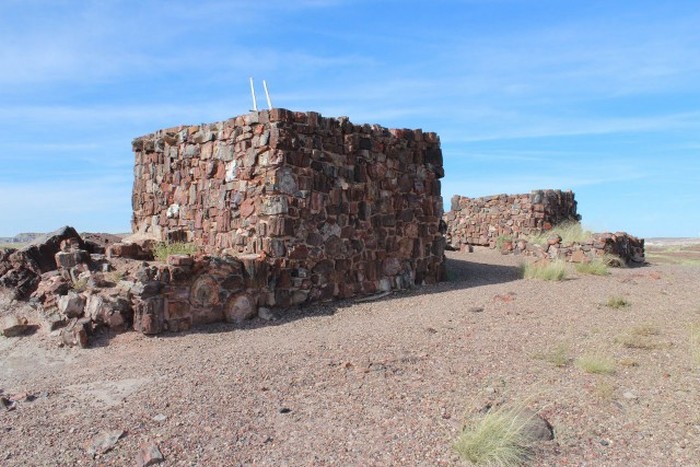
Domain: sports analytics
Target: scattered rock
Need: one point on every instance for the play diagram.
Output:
(160, 418)
(13, 326)
(8, 404)
(104, 442)
(475, 309)
(535, 427)
(149, 455)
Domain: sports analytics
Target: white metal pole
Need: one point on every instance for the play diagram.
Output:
(252, 91)
(267, 94)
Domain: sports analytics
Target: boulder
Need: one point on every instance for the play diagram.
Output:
(13, 326)
(71, 305)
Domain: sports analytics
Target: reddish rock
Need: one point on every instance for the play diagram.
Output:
(149, 454)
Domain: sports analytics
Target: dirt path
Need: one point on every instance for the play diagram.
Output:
(389, 382)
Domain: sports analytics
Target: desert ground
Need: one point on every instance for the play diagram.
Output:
(385, 382)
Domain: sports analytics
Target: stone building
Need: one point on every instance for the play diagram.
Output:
(313, 208)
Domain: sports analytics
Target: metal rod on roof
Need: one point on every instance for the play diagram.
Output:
(267, 94)
(252, 91)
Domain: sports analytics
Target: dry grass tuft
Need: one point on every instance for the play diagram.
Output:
(552, 271)
(596, 268)
(617, 303)
(557, 356)
(499, 438)
(596, 364)
(570, 232)
(641, 337)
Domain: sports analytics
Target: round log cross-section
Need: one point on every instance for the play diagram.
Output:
(239, 308)
(204, 292)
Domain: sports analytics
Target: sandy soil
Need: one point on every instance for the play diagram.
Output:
(389, 382)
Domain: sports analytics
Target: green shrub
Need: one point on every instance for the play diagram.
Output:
(551, 271)
(596, 363)
(499, 438)
(165, 249)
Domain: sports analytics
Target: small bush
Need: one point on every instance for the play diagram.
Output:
(552, 271)
(596, 268)
(164, 249)
(499, 438)
(596, 364)
(617, 303)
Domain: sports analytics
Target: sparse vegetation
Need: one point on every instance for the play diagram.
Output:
(80, 285)
(570, 232)
(557, 356)
(551, 271)
(165, 249)
(617, 303)
(641, 337)
(501, 240)
(596, 364)
(686, 255)
(604, 389)
(499, 438)
(596, 268)
(116, 276)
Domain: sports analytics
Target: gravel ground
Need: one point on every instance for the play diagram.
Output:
(387, 382)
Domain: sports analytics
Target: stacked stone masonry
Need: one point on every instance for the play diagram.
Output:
(297, 208)
(617, 249)
(481, 221)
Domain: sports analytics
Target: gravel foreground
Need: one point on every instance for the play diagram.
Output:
(386, 382)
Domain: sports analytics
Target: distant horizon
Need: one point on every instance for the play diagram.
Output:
(598, 97)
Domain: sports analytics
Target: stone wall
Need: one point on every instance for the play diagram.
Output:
(481, 221)
(618, 249)
(324, 208)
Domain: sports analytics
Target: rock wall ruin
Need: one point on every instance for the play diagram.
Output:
(481, 221)
(323, 208)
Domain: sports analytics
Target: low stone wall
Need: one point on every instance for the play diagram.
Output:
(481, 221)
(629, 249)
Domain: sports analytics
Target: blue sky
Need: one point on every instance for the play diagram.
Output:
(600, 97)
